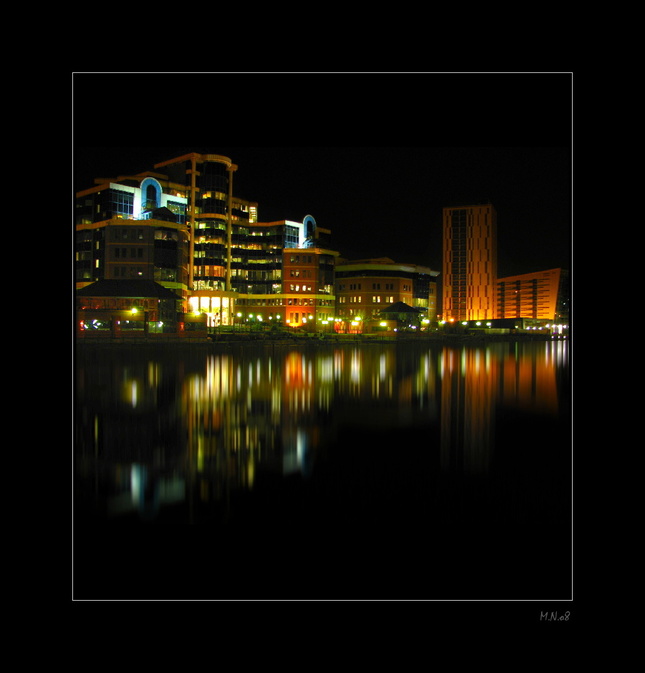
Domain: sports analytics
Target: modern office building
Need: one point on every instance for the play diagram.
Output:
(180, 225)
(469, 262)
(264, 284)
(302, 291)
(365, 288)
(542, 295)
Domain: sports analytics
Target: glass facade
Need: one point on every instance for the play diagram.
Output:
(121, 204)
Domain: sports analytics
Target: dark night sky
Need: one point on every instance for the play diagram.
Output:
(374, 157)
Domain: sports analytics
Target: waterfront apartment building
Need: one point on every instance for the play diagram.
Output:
(469, 262)
(542, 295)
(180, 225)
(365, 288)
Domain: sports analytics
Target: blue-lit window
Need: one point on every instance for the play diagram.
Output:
(150, 194)
(292, 237)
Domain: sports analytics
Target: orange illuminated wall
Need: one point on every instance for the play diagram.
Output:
(299, 271)
(469, 262)
(530, 295)
(308, 293)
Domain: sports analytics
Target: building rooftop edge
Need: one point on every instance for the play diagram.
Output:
(383, 264)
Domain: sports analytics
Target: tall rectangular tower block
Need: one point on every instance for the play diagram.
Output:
(469, 262)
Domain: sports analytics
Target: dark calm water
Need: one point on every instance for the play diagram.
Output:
(375, 471)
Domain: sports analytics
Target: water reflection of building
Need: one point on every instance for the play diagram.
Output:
(128, 435)
(248, 414)
(468, 380)
(528, 374)
(478, 383)
(198, 429)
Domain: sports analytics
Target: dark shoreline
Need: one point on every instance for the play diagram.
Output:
(229, 339)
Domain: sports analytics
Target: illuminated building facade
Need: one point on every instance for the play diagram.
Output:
(134, 309)
(122, 236)
(303, 295)
(542, 295)
(308, 285)
(180, 226)
(469, 262)
(364, 288)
